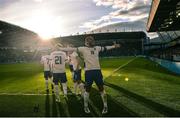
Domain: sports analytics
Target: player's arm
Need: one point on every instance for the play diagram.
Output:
(68, 49)
(78, 63)
(111, 47)
(51, 67)
(50, 64)
(67, 61)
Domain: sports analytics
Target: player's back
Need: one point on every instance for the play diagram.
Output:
(91, 57)
(45, 60)
(58, 61)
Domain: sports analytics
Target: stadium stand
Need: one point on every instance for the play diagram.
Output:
(131, 42)
(21, 45)
(166, 46)
(164, 18)
(16, 44)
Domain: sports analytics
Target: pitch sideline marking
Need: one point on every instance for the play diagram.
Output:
(121, 66)
(30, 94)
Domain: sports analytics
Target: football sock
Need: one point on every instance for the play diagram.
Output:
(46, 83)
(81, 87)
(86, 99)
(64, 85)
(104, 98)
(57, 91)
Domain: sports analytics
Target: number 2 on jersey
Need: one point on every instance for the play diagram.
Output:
(58, 60)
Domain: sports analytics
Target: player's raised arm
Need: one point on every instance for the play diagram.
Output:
(65, 49)
(115, 45)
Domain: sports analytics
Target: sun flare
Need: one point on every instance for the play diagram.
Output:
(46, 25)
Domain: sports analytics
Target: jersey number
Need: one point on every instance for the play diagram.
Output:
(92, 52)
(58, 60)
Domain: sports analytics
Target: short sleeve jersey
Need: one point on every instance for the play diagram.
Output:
(58, 59)
(45, 60)
(91, 57)
(74, 60)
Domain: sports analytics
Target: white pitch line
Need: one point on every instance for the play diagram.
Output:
(29, 94)
(120, 67)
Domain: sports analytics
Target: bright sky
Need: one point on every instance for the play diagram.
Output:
(52, 18)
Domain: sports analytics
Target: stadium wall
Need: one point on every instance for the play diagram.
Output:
(172, 66)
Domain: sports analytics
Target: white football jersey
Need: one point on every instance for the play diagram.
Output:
(91, 57)
(74, 60)
(58, 59)
(45, 60)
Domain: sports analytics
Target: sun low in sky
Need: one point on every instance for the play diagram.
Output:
(46, 25)
(54, 18)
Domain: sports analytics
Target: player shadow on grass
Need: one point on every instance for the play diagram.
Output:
(54, 107)
(116, 109)
(74, 106)
(167, 111)
(47, 105)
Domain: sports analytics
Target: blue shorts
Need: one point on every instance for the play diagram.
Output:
(71, 68)
(47, 74)
(59, 77)
(77, 75)
(93, 75)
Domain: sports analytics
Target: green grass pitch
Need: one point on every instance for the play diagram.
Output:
(135, 87)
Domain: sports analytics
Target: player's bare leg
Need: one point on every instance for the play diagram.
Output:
(86, 99)
(104, 99)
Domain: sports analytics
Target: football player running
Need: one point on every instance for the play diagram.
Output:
(93, 73)
(45, 61)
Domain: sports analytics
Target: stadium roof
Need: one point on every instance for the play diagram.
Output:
(164, 16)
(15, 36)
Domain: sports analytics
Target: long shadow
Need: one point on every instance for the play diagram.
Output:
(54, 107)
(75, 105)
(47, 105)
(147, 102)
(61, 109)
(115, 109)
(113, 112)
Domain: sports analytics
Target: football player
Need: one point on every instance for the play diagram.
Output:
(93, 73)
(45, 61)
(75, 61)
(58, 59)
